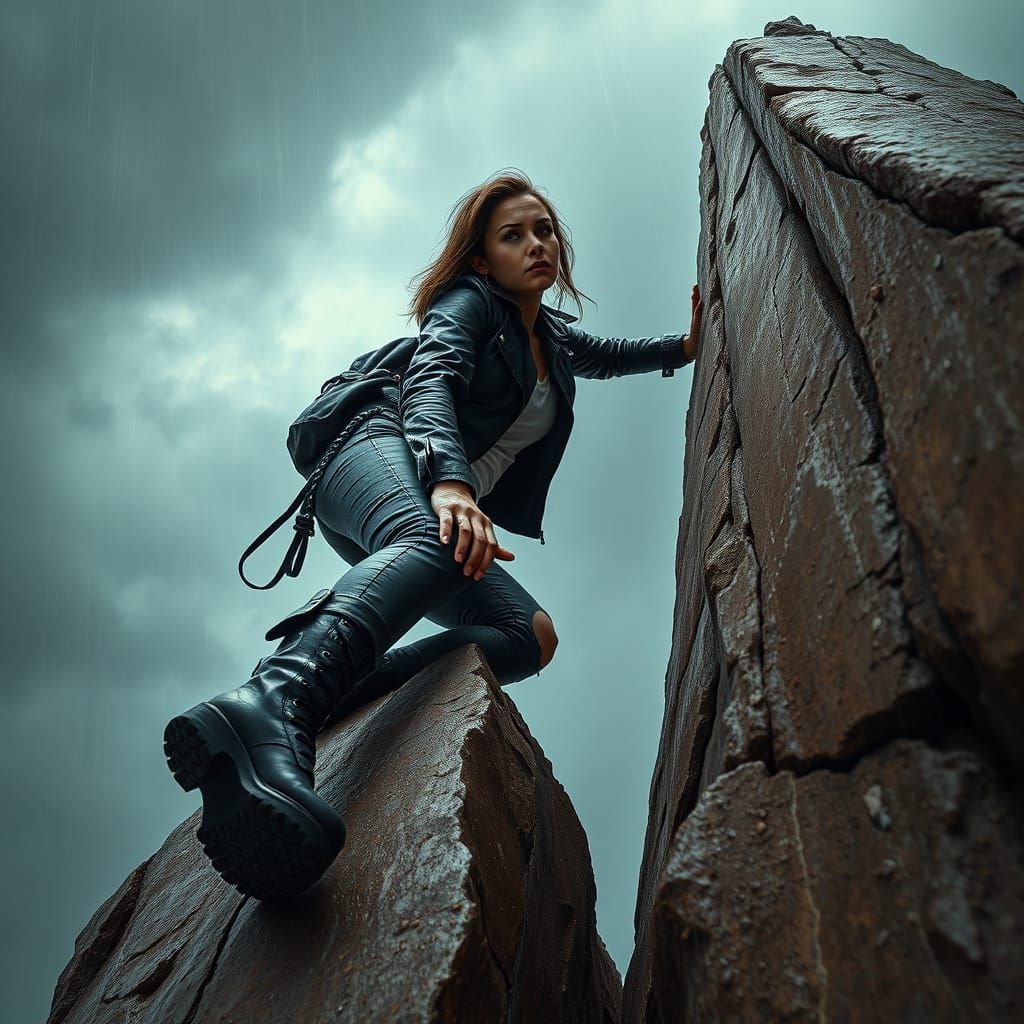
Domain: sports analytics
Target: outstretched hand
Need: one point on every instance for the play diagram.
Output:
(456, 510)
(692, 340)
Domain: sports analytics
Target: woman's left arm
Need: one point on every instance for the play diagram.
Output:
(615, 357)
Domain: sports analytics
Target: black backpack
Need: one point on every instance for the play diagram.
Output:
(319, 431)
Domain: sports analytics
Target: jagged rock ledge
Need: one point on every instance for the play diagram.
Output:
(464, 892)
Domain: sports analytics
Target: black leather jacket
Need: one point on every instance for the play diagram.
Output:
(470, 372)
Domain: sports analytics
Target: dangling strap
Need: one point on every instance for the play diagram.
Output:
(305, 522)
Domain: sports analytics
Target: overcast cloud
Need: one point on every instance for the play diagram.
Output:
(208, 208)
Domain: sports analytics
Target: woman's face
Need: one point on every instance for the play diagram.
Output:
(519, 234)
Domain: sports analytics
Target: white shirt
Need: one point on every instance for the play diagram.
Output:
(530, 425)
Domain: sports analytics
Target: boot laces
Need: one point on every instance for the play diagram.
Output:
(312, 696)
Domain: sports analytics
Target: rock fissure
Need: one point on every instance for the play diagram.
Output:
(848, 46)
(769, 755)
(212, 970)
(478, 898)
(163, 938)
(154, 977)
(883, 572)
(819, 965)
(828, 390)
(740, 191)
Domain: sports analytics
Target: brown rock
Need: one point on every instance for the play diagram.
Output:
(854, 577)
(914, 196)
(821, 505)
(785, 899)
(464, 891)
(946, 145)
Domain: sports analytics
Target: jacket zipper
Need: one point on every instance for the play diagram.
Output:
(542, 536)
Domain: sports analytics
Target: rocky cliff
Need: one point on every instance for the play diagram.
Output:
(835, 823)
(464, 891)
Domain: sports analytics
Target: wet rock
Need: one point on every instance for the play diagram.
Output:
(909, 179)
(851, 544)
(843, 940)
(464, 891)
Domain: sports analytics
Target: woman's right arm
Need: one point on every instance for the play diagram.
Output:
(440, 371)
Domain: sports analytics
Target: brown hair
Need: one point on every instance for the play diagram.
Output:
(468, 219)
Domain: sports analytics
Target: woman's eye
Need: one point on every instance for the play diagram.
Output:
(542, 230)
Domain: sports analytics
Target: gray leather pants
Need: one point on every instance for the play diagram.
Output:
(373, 510)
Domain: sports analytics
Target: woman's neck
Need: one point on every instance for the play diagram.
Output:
(529, 307)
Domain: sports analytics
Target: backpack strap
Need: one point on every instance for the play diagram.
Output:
(305, 501)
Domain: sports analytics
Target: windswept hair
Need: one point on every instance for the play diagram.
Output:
(468, 221)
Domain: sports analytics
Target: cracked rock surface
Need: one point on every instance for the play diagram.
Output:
(464, 891)
(786, 898)
(835, 805)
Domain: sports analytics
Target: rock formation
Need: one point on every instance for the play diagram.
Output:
(835, 827)
(464, 892)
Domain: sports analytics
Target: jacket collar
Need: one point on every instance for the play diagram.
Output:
(497, 289)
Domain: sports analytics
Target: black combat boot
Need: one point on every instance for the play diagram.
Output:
(252, 753)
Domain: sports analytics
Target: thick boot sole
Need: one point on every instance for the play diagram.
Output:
(259, 840)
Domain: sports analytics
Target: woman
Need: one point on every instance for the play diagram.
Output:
(471, 439)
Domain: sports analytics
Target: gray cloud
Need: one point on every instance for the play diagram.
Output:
(151, 144)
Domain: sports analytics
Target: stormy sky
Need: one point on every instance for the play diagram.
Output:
(208, 208)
